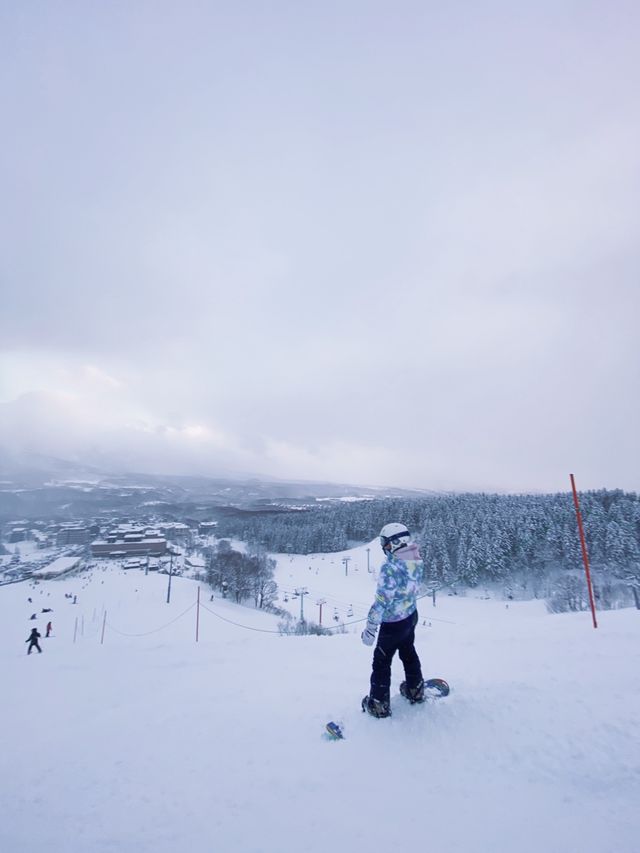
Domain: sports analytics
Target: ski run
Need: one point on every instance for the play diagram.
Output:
(144, 741)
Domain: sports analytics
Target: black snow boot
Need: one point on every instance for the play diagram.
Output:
(413, 694)
(376, 707)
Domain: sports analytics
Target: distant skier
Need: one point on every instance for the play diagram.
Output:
(394, 610)
(32, 639)
(49, 628)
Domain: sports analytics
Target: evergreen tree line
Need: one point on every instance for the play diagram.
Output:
(473, 539)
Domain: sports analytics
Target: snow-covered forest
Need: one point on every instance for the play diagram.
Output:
(529, 544)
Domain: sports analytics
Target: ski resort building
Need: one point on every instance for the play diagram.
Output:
(58, 568)
(129, 543)
(73, 534)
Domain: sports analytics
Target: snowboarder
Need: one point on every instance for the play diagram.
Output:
(394, 610)
(32, 639)
(49, 627)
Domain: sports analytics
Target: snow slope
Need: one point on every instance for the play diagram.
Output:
(156, 743)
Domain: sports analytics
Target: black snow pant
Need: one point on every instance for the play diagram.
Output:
(32, 644)
(395, 637)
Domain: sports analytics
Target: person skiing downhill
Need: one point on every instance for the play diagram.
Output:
(32, 639)
(394, 610)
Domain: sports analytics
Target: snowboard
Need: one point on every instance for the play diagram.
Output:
(434, 688)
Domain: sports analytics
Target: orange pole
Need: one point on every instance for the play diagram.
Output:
(585, 556)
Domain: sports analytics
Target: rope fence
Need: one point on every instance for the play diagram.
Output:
(153, 630)
(326, 630)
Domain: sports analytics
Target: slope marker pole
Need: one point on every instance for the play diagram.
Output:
(585, 556)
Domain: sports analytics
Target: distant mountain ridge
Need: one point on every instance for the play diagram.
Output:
(35, 486)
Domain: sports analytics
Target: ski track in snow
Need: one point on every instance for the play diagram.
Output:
(156, 743)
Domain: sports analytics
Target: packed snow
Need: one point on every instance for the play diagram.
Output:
(126, 734)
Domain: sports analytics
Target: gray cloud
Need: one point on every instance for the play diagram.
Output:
(324, 241)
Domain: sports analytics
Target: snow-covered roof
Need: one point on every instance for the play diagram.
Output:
(57, 567)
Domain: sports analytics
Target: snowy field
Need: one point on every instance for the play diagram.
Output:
(153, 743)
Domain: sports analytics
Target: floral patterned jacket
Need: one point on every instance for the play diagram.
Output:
(398, 585)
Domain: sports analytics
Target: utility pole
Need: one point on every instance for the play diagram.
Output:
(345, 560)
(170, 575)
(320, 602)
(198, 616)
(302, 591)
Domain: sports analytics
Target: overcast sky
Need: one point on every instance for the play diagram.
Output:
(368, 242)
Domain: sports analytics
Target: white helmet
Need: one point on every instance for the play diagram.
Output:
(394, 536)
